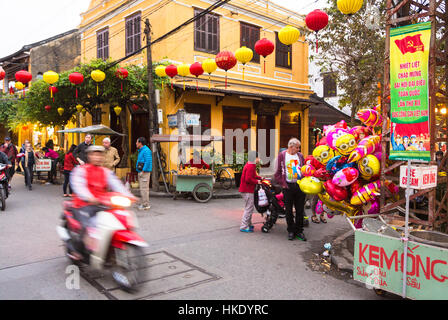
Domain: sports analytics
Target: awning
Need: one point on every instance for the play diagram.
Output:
(99, 129)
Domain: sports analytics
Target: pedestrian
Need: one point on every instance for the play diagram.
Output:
(287, 174)
(144, 168)
(249, 179)
(111, 156)
(11, 151)
(80, 153)
(69, 164)
(27, 162)
(53, 155)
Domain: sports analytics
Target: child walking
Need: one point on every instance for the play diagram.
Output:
(249, 179)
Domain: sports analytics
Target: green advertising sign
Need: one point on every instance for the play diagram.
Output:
(378, 262)
(409, 94)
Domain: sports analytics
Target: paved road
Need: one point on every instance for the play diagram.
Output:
(196, 252)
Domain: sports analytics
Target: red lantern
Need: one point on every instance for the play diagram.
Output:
(225, 60)
(2, 74)
(264, 47)
(196, 70)
(171, 71)
(52, 90)
(47, 108)
(11, 90)
(24, 77)
(122, 74)
(134, 107)
(316, 20)
(76, 78)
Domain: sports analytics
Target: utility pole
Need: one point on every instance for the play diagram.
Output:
(153, 126)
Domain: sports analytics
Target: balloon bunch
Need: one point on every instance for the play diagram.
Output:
(344, 169)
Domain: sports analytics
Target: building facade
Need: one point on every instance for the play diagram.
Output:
(274, 97)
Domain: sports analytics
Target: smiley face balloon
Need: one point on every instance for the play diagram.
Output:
(310, 185)
(346, 144)
(369, 166)
(323, 154)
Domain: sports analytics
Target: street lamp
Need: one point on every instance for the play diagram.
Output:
(443, 110)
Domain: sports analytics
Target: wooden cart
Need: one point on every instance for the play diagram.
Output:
(201, 186)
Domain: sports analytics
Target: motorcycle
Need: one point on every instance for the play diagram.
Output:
(4, 191)
(117, 247)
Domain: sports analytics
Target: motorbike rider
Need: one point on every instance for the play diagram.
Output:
(5, 160)
(90, 182)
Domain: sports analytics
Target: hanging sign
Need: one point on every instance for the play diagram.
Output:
(409, 94)
(192, 119)
(43, 165)
(172, 120)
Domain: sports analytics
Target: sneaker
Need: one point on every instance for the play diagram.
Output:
(291, 236)
(251, 228)
(248, 229)
(301, 236)
(142, 207)
(282, 215)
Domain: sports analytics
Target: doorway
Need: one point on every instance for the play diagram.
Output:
(290, 127)
(266, 139)
(140, 128)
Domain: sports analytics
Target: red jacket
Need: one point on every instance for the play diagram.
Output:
(69, 162)
(249, 178)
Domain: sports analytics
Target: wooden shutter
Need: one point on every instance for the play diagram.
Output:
(133, 33)
(249, 35)
(102, 43)
(281, 54)
(206, 33)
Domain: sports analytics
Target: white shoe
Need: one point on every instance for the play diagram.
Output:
(142, 207)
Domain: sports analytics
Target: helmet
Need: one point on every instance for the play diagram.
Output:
(95, 149)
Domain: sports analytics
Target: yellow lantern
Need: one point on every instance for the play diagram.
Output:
(79, 108)
(349, 6)
(84, 112)
(244, 55)
(183, 70)
(209, 66)
(289, 35)
(19, 85)
(60, 111)
(117, 110)
(97, 76)
(50, 77)
(160, 71)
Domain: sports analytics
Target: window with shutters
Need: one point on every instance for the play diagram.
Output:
(249, 35)
(102, 44)
(206, 33)
(281, 54)
(133, 33)
(329, 82)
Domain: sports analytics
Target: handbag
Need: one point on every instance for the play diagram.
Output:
(140, 166)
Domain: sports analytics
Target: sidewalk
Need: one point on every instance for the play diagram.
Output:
(218, 193)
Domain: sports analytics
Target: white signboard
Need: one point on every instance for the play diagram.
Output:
(422, 177)
(43, 165)
(172, 120)
(192, 119)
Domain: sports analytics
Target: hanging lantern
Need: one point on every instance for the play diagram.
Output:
(50, 77)
(19, 85)
(316, 20)
(225, 60)
(196, 70)
(60, 111)
(122, 74)
(244, 55)
(160, 71)
(349, 6)
(264, 47)
(171, 71)
(47, 108)
(209, 66)
(25, 127)
(84, 112)
(183, 70)
(97, 76)
(23, 77)
(289, 35)
(2, 74)
(134, 107)
(117, 110)
(52, 90)
(79, 108)
(76, 78)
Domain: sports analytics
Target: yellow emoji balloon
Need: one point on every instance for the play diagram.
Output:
(346, 144)
(369, 166)
(323, 154)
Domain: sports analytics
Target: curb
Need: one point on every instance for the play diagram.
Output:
(136, 192)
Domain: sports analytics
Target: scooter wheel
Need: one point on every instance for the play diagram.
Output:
(264, 229)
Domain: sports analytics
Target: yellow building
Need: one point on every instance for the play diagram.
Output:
(274, 97)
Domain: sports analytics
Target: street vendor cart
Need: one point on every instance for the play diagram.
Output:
(195, 181)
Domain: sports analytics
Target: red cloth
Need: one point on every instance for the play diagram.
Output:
(249, 178)
(69, 162)
(198, 165)
(95, 181)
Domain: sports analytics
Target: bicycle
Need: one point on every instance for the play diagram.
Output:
(223, 177)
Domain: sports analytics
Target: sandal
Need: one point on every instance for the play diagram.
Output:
(323, 219)
(315, 219)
